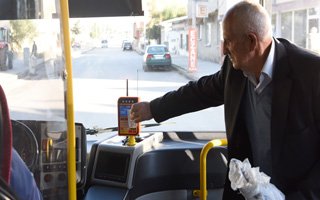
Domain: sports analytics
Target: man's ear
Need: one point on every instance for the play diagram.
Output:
(253, 39)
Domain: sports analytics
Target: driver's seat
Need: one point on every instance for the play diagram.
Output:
(5, 138)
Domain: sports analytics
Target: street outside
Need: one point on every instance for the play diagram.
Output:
(99, 79)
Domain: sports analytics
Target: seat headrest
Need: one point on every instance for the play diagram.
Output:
(5, 137)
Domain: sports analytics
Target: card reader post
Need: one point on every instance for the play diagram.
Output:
(131, 140)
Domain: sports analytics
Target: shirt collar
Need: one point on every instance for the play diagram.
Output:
(266, 73)
(267, 68)
(268, 65)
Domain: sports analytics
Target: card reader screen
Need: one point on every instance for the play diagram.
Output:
(124, 111)
(112, 166)
(127, 127)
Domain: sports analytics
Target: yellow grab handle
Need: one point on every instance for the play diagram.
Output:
(203, 166)
(71, 155)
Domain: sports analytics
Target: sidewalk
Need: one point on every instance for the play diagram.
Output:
(41, 69)
(33, 71)
(180, 63)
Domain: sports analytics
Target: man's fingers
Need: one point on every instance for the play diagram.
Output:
(133, 108)
(140, 112)
(134, 114)
(137, 119)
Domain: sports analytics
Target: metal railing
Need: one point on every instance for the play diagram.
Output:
(202, 193)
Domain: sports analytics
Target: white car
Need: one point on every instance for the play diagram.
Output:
(104, 43)
(156, 56)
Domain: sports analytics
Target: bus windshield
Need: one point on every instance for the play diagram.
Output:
(101, 70)
(115, 53)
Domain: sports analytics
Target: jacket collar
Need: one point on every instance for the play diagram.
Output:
(280, 99)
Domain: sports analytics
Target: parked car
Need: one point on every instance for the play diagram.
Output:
(127, 46)
(104, 43)
(123, 41)
(156, 56)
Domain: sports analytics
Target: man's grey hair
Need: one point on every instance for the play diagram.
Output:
(251, 17)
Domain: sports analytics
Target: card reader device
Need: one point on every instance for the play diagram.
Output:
(127, 127)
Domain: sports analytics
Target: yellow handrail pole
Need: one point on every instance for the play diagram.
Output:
(203, 164)
(72, 185)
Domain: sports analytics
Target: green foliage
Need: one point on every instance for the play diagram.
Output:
(153, 28)
(170, 13)
(76, 30)
(21, 30)
(95, 31)
(153, 32)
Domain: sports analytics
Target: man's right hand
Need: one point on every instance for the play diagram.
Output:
(140, 112)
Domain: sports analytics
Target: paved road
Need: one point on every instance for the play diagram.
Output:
(180, 63)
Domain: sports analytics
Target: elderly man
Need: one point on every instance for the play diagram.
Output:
(270, 89)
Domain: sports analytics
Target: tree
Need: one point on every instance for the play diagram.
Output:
(153, 27)
(75, 31)
(76, 28)
(95, 31)
(21, 30)
(154, 32)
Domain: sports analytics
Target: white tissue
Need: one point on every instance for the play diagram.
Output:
(253, 184)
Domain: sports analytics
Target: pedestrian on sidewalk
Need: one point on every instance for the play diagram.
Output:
(33, 59)
(270, 89)
(34, 51)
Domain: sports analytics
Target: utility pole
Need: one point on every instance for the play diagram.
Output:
(194, 13)
(193, 40)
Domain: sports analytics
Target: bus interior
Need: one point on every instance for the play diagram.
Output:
(164, 161)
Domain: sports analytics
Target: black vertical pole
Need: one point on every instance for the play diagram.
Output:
(127, 88)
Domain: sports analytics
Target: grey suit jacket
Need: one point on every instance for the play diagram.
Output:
(295, 120)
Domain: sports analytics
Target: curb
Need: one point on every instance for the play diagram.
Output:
(184, 72)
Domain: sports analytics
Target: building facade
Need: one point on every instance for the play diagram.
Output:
(296, 20)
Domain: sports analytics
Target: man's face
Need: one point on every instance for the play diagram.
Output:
(235, 46)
